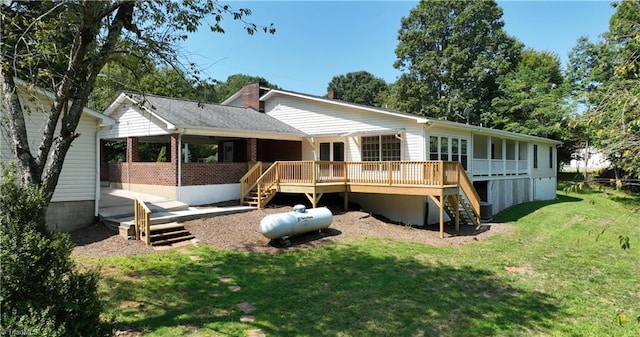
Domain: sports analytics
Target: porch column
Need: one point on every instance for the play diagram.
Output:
(489, 157)
(252, 150)
(175, 156)
(517, 157)
(504, 157)
(132, 150)
(104, 166)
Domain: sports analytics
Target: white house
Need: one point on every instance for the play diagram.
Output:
(397, 164)
(587, 160)
(75, 201)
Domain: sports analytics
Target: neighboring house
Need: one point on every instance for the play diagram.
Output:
(75, 201)
(587, 160)
(505, 168)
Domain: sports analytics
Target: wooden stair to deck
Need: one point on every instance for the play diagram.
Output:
(467, 217)
(255, 200)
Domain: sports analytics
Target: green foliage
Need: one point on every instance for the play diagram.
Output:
(624, 241)
(42, 293)
(114, 152)
(162, 156)
(358, 87)
(451, 54)
(605, 76)
(198, 152)
(533, 97)
(128, 73)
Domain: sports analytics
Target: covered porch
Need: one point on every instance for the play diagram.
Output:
(493, 156)
(196, 169)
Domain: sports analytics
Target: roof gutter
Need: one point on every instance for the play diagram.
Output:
(240, 134)
(487, 131)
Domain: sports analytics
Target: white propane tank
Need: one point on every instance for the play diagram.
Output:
(300, 220)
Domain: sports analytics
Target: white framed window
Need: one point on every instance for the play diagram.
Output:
(381, 148)
(448, 149)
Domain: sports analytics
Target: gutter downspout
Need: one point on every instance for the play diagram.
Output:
(97, 182)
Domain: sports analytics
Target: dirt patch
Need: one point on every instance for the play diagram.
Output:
(99, 241)
(241, 232)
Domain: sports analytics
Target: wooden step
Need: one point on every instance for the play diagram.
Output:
(172, 240)
(166, 235)
(166, 226)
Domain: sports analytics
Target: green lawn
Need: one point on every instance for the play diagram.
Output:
(561, 272)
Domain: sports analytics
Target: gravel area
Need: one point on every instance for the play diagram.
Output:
(241, 232)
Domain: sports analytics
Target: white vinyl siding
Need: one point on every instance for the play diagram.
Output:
(134, 122)
(319, 118)
(77, 180)
(545, 157)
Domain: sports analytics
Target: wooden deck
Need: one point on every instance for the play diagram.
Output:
(445, 182)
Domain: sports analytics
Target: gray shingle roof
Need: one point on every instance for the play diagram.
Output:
(191, 114)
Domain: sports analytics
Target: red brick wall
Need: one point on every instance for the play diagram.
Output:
(212, 173)
(143, 173)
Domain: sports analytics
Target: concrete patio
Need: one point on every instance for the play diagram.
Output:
(116, 208)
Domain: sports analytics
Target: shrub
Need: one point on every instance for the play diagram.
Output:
(42, 292)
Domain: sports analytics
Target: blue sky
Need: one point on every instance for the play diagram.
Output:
(317, 40)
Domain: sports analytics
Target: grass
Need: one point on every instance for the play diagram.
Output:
(561, 272)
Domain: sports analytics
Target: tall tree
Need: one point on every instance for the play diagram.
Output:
(63, 46)
(359, 87)
(606, 75)
(532, 99)
(451, 54)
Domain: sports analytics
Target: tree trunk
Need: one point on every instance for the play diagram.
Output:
(27, 165)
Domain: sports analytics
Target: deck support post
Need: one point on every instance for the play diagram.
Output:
(439, 200)
(346, 201)
(441, 214)
(314, 198)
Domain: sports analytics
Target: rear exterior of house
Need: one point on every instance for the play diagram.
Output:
(506, 168)
(74, 202)
(259, 124)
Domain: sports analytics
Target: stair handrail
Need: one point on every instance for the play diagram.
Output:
(270, 177)
(142, 220)
(465, 184)
(250, 179)
(267, 180)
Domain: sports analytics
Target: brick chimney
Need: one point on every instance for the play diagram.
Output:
(251, 93)
(332, 94)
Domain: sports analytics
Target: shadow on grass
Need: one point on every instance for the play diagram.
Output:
(516, 212)
(305, 238)
(330, 291)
